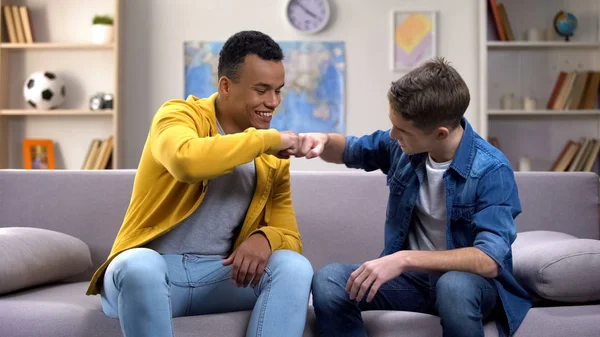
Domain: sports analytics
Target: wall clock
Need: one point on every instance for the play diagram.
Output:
(308, 16)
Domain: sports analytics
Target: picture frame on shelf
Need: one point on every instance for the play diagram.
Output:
(413, 38)
(38, 154)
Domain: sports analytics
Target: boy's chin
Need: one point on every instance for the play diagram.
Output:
(261, 126)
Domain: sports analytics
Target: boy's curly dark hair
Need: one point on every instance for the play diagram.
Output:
(235, 49)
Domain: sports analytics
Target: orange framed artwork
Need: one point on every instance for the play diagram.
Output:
(38, 154)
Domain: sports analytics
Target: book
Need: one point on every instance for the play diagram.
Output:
(566, 156)
(508, 32)
(590, 95)
(92, 155)
(557, 87)
(24, 11)
(10, 24)
(493, 8)
(18, 24)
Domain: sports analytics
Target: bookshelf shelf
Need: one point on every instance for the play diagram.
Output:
(62, 112)
(541, 44)
(56, 45)
(524, 60)
(37, 36)
(567, 113)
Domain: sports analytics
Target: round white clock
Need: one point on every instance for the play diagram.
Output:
(308, 16)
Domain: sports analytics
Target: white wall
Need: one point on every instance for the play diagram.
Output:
(156, 29)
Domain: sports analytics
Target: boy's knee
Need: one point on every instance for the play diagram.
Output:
(291, 264)
(330, 274)
(329, 284)
(138, 266)
(457, 292)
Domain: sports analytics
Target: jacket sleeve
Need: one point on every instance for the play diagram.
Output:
(281, 229)
(498, 205)
(369, 152)
(180, 141)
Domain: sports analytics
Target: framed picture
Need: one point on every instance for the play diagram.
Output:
(38, 154)
(414, 38)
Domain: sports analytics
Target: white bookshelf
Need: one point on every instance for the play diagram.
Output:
(62, 44)
(541, 44)
(543, 112)
(56, 46)
(56, 112)
(530, 68)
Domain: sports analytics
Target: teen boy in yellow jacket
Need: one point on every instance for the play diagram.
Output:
(211, 227)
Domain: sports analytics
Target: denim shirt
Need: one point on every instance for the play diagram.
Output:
(482, 202)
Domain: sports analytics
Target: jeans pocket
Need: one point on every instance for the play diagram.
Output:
(203, 270)
(177, 271)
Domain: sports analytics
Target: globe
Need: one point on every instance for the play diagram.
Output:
(565, 24)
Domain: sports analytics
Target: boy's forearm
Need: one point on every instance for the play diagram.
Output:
(191, 158)
(334, 148)
(468, 259)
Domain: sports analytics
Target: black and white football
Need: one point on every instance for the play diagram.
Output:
(44, 90)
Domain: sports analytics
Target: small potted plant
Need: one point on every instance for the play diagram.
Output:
(102, 29)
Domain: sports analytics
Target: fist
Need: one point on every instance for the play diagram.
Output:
(289, 144)
(311, 145)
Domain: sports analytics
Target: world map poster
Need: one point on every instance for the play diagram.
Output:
(313, 98)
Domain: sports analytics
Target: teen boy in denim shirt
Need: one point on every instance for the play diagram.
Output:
(450, 217)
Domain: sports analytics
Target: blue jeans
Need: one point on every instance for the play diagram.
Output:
(461, 300)
(145, 290)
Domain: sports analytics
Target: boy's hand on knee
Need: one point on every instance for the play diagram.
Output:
(249, 260)
(369, 277)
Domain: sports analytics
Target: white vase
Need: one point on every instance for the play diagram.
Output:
(102, 34)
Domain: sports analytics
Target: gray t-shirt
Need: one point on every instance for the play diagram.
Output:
(428, 231)
(212, 228)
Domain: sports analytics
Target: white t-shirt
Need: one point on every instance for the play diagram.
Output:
(428, 230)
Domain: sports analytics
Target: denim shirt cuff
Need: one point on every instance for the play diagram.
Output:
(489, 252)
(348, 155)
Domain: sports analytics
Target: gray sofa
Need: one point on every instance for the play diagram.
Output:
(340, 215)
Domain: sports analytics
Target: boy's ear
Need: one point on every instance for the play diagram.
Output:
(442, 133)
(224, 85)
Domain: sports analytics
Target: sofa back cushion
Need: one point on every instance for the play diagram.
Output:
(340, 214)
(88, 205)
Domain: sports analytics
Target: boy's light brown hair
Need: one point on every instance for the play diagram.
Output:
(431, 95)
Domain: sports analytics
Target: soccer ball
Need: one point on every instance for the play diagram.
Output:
(44, 90)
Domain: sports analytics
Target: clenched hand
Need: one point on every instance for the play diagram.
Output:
(311, 145)
(289, 144)
(249, 260)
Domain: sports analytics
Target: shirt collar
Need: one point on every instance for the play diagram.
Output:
(462, 159)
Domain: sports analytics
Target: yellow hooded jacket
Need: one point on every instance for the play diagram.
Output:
(183, 152)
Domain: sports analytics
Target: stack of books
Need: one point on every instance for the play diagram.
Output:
(577, 156)
(575, 90)
(99, 155)
(17, 24)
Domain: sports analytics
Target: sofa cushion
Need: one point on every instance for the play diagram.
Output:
(65, 310)
(557, 266)
(35, 256)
